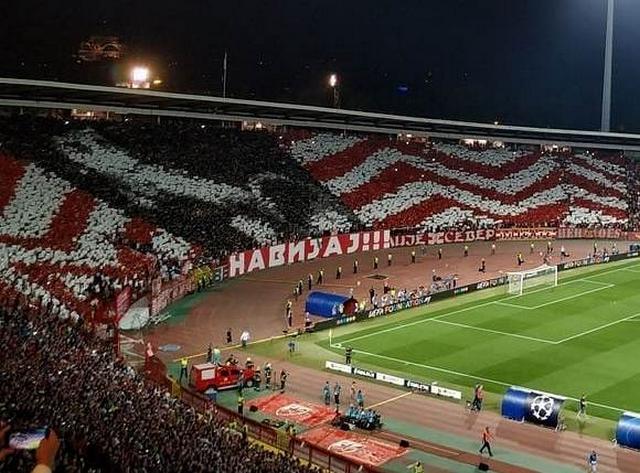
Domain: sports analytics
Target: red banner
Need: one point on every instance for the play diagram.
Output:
(526, 233)
(168, 293)
(442, 238)
(589, 233)
(123, 302)
(307, 250)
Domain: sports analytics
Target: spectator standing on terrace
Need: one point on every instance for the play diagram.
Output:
(520, 259)
(310, 281)
(493, 249)
(549, 247)
(283, 380)
(375, 262)
(339, 272)
(229, 338)
(355, 266)
(320, 279)
(372, 292)
(289, 318)
(483, 266)
(563, 252)
(300, 286)
(413, 256)
(487, 437)
(531, 248)
(209, 354)
(439, 253)
(466, 250)
(595, 248)
(389, 259)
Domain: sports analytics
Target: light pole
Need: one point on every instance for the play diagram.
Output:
(333, 83)
(605, 121)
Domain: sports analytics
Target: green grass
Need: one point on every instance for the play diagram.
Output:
(582, 336)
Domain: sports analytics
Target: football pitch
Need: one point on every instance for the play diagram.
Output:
(580, 337)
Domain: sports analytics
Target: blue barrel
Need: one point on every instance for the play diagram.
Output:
(514, 403)
(326, 304)
(628, 431)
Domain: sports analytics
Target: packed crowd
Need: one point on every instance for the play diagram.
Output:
(55, 373)
(439, 186)
(219, 188)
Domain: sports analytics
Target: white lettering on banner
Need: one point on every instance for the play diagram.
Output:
(444, 392)
(331, 365)
(526, 233)
(365, 373)
(257, 261)
(306, 250)
(314, 244)
(425, 388)
(276, 255)
(354, 243)
(296, 251)
(366, 237)
(387, 378)
(440, 238)
(236, 264)
(588, 233)
(333, 247)
(376, 241)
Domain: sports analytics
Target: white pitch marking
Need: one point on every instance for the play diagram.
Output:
(395, 398)
(508, 334)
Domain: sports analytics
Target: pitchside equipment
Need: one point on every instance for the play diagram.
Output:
(521, 281)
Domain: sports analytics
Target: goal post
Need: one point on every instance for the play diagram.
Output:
(521, 281)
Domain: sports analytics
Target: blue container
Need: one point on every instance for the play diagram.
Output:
(628, 431)
(514, 403)
(326, 304)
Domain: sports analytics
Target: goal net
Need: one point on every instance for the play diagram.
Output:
(521, 281)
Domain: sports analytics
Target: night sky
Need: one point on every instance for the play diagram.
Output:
(527, 62)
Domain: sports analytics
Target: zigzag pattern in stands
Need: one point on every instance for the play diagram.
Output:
(394, 184)
(54, 239)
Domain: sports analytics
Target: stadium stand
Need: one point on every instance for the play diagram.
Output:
(88, 209)
(392, 184)
(221, 189)
(57, 373)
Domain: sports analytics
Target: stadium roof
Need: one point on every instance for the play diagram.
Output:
(60, 95)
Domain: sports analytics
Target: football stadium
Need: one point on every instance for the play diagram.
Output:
(255, 277)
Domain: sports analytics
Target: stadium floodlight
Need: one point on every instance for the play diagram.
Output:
(333, 80)
(140, 74)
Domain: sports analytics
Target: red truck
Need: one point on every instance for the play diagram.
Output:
(210, 375)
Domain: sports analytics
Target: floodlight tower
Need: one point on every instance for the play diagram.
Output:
(333, 83)
(605, 121)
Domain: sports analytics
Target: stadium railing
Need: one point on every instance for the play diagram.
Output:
(305, 451)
